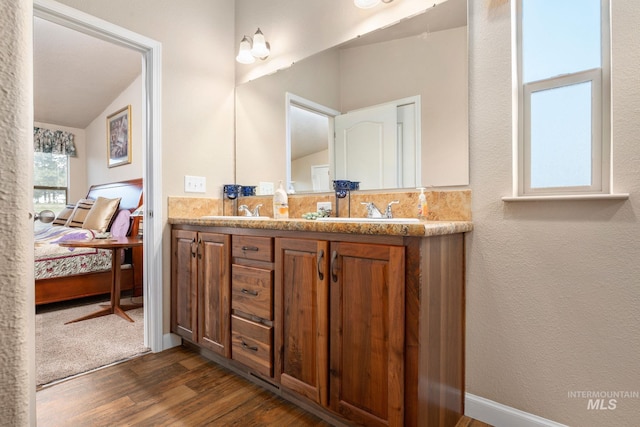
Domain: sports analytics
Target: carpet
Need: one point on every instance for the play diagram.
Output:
(67, 350)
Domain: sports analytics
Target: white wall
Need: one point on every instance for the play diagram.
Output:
(197, 82)
(96, 134)
(552, 287)
(77, 165)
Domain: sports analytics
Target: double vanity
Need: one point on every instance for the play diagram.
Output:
(360, 322)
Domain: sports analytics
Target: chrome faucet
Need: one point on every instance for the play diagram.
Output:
(374, 212)
(247, 212)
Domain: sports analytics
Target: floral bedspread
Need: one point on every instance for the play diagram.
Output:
(52, 260)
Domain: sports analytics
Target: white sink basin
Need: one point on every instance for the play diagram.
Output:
(371, 220)
(234, 217)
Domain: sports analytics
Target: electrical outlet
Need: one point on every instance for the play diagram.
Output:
(323, 205)
(195, 184)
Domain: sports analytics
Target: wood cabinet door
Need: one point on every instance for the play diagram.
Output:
(367, 333)
(301, 325)
(184, 284)
(214, 295)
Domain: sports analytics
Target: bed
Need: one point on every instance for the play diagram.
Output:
(63, 274)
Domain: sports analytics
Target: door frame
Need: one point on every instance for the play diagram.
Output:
(298, 101)
(151, 52)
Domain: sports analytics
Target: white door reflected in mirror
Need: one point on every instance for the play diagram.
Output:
(378, 146)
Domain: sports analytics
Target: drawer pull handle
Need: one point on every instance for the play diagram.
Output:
(334, 276)
(193, 251)
(320, 257)
(249, 347)
(250, 248)
(248, 292)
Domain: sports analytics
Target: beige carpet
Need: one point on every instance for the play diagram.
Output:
(66, 350)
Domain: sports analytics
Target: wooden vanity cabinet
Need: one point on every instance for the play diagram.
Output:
(366, 328)
(302, 317)
(200, 289)
(356, 368)
(367, 333)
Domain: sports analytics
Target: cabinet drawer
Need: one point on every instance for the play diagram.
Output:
(252, 291)
(251, 345)
(251, 247)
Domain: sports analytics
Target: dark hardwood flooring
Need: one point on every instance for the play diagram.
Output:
(177, 387)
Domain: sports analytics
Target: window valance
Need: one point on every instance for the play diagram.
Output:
(53, 141)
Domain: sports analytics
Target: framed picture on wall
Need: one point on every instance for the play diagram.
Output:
(119, 137)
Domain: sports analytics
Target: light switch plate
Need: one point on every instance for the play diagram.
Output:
(195, 184)
(323, 205)
(265, 188)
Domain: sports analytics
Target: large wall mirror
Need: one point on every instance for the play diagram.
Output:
(289, 124)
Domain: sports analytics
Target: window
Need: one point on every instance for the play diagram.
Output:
(563, 84)
(50, 181)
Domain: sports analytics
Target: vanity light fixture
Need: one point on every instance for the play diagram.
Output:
(368, 4)
(250, 49)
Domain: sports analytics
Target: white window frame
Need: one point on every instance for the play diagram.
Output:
(600, 79)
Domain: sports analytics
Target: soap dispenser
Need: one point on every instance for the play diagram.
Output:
(280, 203)
(423, 209)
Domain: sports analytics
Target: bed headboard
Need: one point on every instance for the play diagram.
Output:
(129, 191)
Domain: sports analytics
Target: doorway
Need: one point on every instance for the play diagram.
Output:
(152, 178)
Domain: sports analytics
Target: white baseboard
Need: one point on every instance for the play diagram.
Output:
(499, 415)
(170, 340)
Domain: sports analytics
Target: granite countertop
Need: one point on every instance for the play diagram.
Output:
(424, 228)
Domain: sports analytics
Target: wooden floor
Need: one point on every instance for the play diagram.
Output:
(176, 387)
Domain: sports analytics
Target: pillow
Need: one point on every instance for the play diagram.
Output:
(121, 224)
(64, 215)
(80, 213)
(100, 215)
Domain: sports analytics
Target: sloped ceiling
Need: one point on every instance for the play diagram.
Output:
(77, 76)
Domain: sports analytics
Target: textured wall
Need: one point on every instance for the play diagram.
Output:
(17, 317)
(552, 298)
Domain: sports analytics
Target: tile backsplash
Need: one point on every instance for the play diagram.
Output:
(444, 205)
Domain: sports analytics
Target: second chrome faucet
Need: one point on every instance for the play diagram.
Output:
(374, 212)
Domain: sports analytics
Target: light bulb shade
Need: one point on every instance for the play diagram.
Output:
(244, 53)
(260, 47)
(366, 4)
